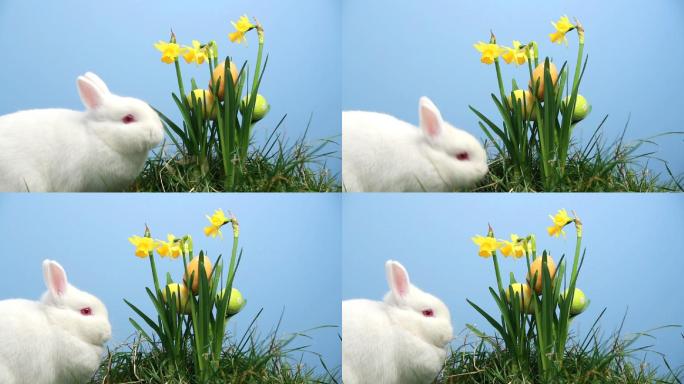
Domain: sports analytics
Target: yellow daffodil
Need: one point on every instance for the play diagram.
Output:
(170, 51)
(487, 245)
(514, 247)
(563, 26)
(516, 54)
(489, 51)
(195, 54)
(241, 27)
(143, 245)
(171, 248)
(217, 220)
(243, 24)
(560, 220)
(237, 37)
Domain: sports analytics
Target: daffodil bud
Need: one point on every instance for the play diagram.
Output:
(261, 107)
(534, 49)
(187, 244)
(212, 49)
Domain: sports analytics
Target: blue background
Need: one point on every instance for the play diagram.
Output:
(396, 51)
(46, 45)
(291, 258)
(633, 261)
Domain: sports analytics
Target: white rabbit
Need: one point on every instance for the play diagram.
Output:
(56, 340)
(381, 153)
(58, 150)
(401, 340)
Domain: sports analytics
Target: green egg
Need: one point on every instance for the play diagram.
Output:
(582, 108)
(579, 302)
(261, 107)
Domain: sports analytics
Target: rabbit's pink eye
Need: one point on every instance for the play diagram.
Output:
(86, 311)
(128, 119)
(428, 313)
(462, 156)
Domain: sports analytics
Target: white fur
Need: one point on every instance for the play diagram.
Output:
(60, 150)
(50, 341)
(392, 342)
(381, 153)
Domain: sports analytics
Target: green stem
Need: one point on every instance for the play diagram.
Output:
(573, 100)
(498, 274)
(233, 256)
(500, 80)
(565, 320)
(575, 261)
(244, 146)
(154, 273)
(181, 89)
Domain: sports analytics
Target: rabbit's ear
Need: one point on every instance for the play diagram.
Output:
(97, 81)
(398, 279)
(430, 119)
(91, 95)
(55, 278)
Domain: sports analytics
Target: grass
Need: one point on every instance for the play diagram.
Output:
(275, 166)
(593, 359)
(247, 359)
(597, 166)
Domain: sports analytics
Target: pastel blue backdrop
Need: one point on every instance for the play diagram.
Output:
(291, 258)
(47, 45)
(632, 262)
(396, 51)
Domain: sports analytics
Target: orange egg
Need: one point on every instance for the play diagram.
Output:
(536, 270)
(193, 270)
(538, 75)
(217, 75)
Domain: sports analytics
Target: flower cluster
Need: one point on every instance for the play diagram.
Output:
(517, 247)
(173, 246)
(517, 54)
(198, 53)
(144, 245)
(203, 101)
(520, 53)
